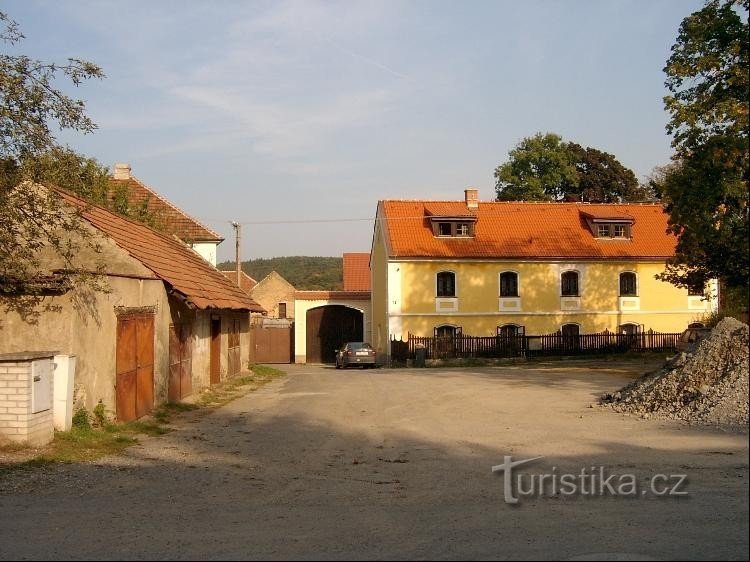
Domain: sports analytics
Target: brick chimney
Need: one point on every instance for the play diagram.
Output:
(471, 196)
(122, 171)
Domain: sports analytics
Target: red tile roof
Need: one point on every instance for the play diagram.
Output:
(332, 295)
(246, 282)
(446, 209)
(199, 283)
(174, 220)
(517, 230)
(356, 271)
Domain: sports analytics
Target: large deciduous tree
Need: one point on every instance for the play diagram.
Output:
(544, 168)
(706, 187)
(32, 108)
(538, 169)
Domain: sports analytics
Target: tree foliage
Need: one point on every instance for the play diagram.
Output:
(31, 106)
(706, 187)
(305, 273)
(538, 169)
(544, 168)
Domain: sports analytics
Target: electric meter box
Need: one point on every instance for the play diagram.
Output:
(41, 385)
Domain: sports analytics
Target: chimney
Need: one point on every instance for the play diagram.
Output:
(122, 171)
(472, 198)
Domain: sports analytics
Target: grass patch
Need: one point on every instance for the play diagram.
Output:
(163, 414)
(229, 390)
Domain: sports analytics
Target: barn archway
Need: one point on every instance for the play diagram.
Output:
(330, 326)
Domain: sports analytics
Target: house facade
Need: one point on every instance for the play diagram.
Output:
(276, 295)
(512, 268)
(167, 325)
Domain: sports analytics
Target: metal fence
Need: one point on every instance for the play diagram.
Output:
(462, 347)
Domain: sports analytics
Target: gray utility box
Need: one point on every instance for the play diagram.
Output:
(41, 385)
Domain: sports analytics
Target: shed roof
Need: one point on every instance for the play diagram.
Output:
(175, 220)
(199, 284)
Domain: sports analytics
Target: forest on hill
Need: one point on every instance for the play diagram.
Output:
(306, 273)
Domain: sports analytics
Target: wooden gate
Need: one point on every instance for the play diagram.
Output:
(180, 362)
(328, 328)
(234, 359)
(271, 341)
(134, 370)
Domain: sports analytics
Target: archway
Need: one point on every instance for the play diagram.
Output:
(328, 328)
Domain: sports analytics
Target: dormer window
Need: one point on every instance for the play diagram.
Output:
(605, 224)
(453, 228)
(612, 230)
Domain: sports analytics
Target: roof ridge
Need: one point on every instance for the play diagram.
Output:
(581, 203)
(172, 205)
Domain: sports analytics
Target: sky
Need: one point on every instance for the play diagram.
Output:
(295, 118)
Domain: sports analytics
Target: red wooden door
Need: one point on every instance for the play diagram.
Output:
(134, 366)
(215, 351)
(235, 357)
(180, 362)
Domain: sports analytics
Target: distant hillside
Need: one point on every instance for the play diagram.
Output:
(306, 273)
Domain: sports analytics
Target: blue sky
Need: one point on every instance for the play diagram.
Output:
(293, 111)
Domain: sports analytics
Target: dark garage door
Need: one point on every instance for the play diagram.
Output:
(328, 327)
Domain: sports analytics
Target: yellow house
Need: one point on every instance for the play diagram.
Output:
(511, 268)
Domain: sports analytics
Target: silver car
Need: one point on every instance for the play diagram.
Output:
(355, 353)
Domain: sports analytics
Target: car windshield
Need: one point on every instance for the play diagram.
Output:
(354, 346)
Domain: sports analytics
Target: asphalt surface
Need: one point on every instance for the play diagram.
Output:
(394, 464)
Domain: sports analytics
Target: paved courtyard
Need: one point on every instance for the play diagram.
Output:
(393, 464)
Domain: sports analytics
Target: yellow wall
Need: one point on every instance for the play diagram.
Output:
(662, 306)
(379, 286)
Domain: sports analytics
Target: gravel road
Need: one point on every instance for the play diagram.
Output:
(392, 464)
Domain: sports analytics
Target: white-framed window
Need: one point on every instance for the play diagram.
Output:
(445, 284)
(569, 284)
(628, 284)
(447, 331)
(462, 229)
(602, 230)
(509, 284)
(510, 331)
(620, 231)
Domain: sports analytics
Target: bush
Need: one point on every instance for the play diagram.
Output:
(81, 419)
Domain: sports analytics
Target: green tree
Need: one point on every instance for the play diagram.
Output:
(539, 168)
(544, 168)
(706, 188)
(31, 104)
(602, 178)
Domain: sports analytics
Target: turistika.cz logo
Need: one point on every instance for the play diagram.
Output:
(590, 481)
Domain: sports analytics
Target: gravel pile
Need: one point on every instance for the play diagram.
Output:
(706, 385)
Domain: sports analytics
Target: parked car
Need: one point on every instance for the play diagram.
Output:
(355, 353)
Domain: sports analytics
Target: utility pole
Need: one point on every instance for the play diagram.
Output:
(237, 226)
